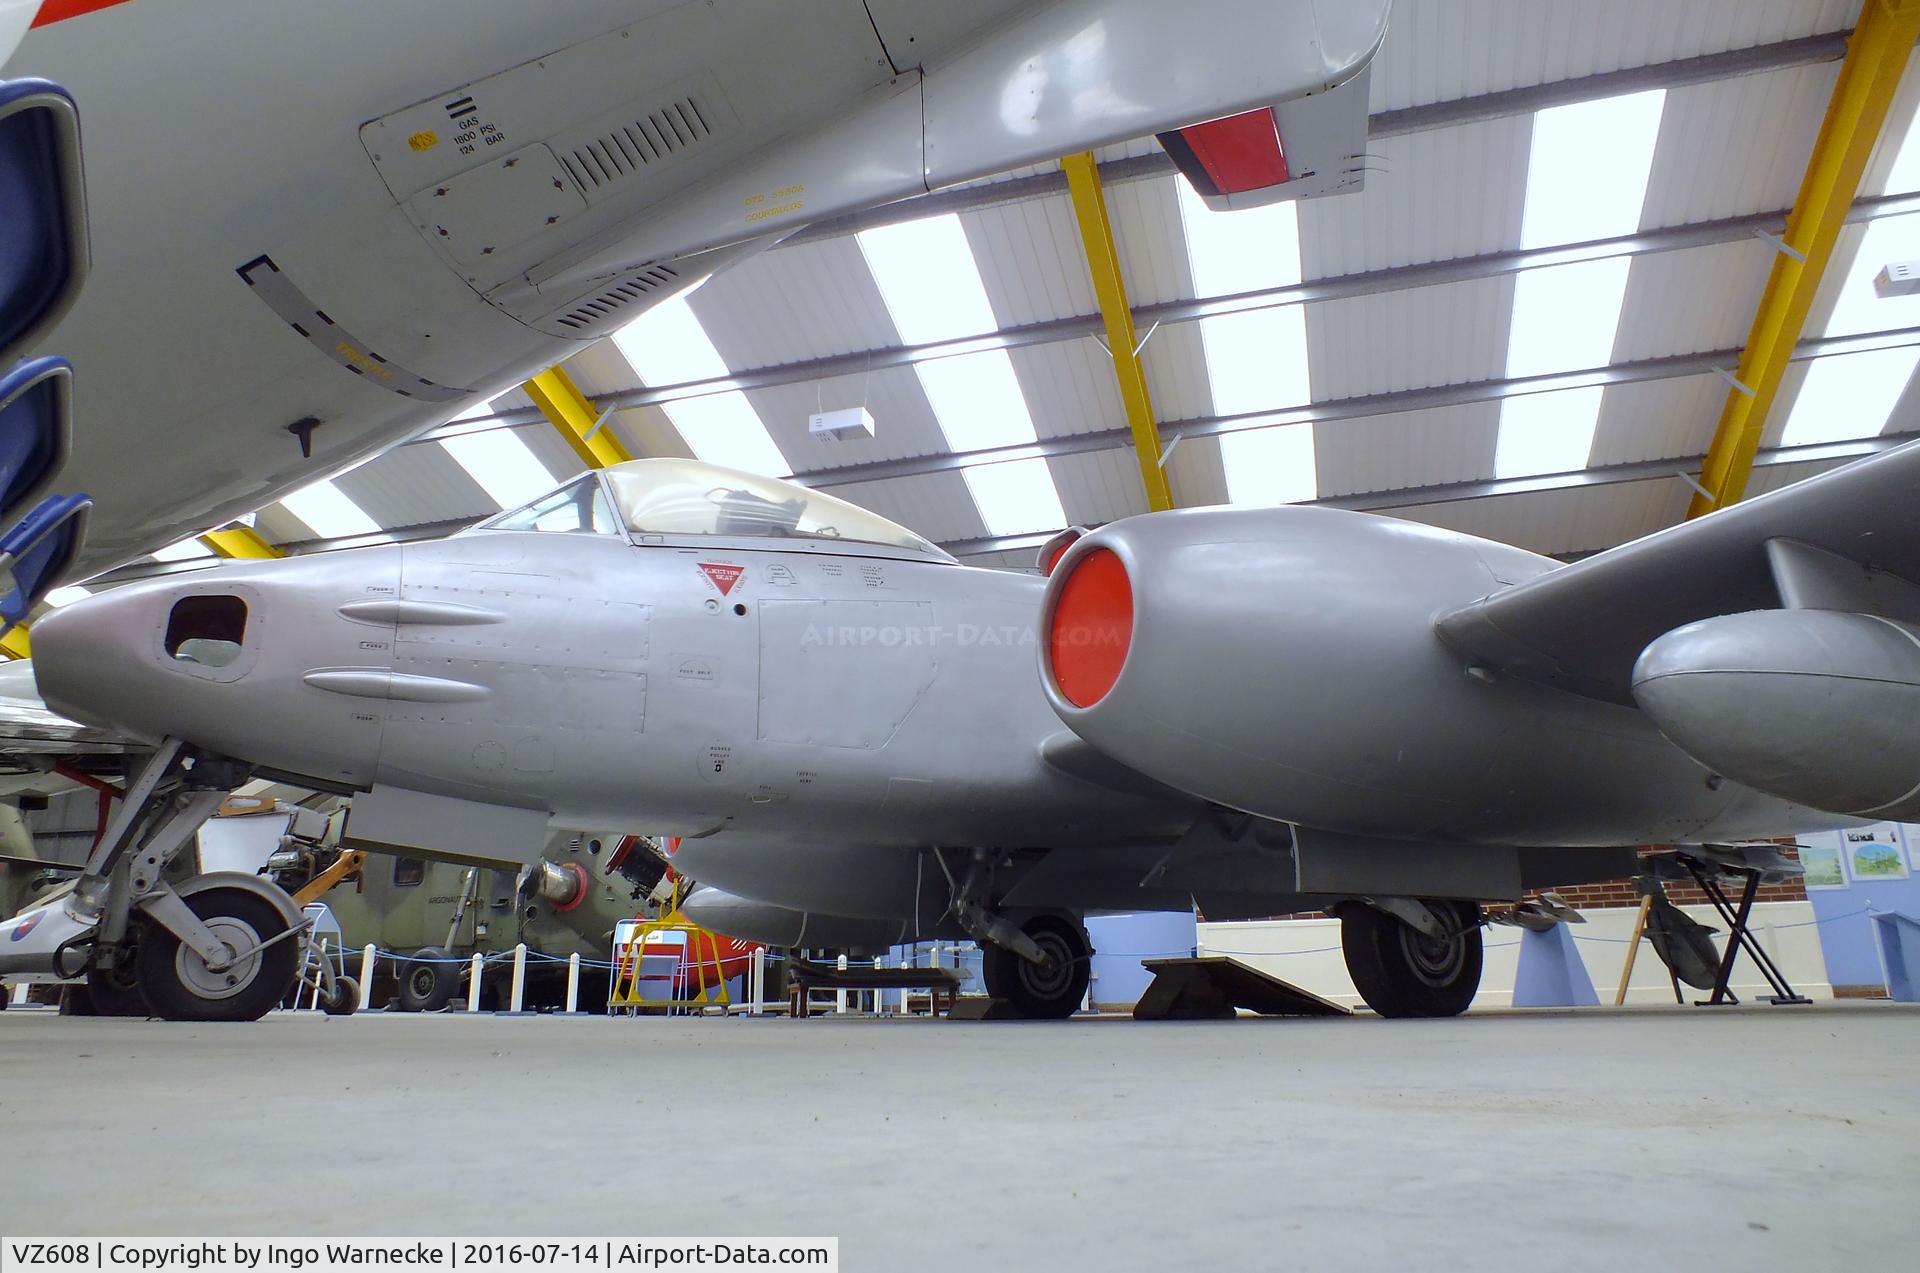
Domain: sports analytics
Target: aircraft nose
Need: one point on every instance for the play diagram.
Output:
(84, 652)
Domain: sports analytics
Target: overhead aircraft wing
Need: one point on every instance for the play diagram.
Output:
(1846, 540)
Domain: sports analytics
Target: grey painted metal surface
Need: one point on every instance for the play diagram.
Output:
(822, 721)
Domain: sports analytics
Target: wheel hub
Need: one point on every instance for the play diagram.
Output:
(1051, 979)
(1436, 961)
(236, 935)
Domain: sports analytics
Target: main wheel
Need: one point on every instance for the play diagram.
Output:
(430, 980)
(180, 987)
(1401, 971)
(1048, 991)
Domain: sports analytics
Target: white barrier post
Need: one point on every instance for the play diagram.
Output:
(840, 996)
(879, 995)
(366, 976)
(473, 981)
(17, 994)
(759, 979)
(573, 982)
(319, 977)
(518, 997)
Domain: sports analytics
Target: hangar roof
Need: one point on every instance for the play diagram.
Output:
(1388, 350)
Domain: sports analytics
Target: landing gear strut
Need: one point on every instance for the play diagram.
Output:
(221, 947)
(1413, 959)
(1040, 966)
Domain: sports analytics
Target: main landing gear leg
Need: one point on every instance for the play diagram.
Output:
(221, 947)
(1038, 966)
(1413, 958)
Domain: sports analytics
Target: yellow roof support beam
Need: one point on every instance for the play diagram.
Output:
(1877, 53)
(239, 541)
(15, 644)
(561, 401)
(1096, 235)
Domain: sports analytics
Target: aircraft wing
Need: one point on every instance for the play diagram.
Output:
(34, 738)
(1846, 540)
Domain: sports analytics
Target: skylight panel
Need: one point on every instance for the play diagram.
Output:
(1256, 361)
(67, 595)
(328, 513)
(503, 465)
(1852, 395)
(667, 345)
(498, 460)
(1586, 179)
(931, 286)
(927, 276)
(1016, 497)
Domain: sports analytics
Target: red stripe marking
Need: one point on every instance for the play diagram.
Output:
(1240, 152)
(53, 11)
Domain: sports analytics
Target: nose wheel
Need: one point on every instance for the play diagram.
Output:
(1052, 987)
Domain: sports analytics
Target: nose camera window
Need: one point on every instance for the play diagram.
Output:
(207, 630)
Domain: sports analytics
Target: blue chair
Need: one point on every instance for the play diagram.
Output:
(36, 430)
(37, 551)
(43, 212)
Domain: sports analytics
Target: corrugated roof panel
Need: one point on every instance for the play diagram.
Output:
(1196, 474)
(1409, 448)
(1771, 477)
(1558, 523)
(1149, 241)
(1431, 195)
(1030, 260)
(811, 300)
(1735, 146)
(1176, 367)
(415, 485)
(1099, 486)
(937, 506)
(1450, 334)
(277, 526)
(1070, 387)
(903, 422)
(1691, 301)
(1658, 419)
(1438, 50)
(1905, 417)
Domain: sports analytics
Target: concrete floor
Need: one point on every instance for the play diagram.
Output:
(1767, 1138)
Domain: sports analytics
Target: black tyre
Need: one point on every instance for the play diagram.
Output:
(1042, 992)
(344, 999)
(180, 987)
(429, 981)
(1402, 972)
(115, 991)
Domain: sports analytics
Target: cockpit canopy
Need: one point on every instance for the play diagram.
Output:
(679, 499)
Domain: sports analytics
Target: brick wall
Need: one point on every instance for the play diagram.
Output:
(1622, 892)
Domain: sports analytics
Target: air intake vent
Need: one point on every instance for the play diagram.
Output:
(654, 138)
(639, 285)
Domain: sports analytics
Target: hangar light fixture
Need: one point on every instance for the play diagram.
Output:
(931, 286)
(1256, 361)
(328, 513)
(668, 344)
(1853, 396)
(499, 460)
(1587, 175)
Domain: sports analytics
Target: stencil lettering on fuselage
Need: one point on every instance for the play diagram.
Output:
(843, 673)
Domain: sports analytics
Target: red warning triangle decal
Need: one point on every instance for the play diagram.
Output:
(722, 577)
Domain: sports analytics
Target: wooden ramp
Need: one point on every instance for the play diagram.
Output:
(1211, 987)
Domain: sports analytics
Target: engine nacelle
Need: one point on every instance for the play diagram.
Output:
(778, 926)
(1816, 706)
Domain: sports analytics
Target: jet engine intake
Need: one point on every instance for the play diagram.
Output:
(1814, 706)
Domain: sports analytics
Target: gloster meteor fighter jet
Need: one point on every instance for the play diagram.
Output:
(859, 740)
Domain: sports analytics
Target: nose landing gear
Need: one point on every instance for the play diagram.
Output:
(219, 947)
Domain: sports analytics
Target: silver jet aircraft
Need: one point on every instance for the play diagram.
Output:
(858, 740)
